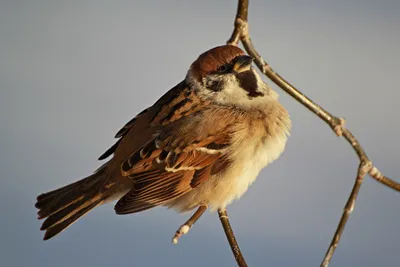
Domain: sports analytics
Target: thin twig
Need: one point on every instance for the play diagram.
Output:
(223, 216)
(241, 33)
(348, 209)
(241, 15)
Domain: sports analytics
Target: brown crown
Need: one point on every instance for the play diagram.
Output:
(212, 59)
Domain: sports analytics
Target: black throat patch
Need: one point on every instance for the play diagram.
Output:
(248, 82)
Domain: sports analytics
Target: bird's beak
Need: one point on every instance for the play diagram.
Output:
(242, 63)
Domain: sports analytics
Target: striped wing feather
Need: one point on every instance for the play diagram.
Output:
(173, 163)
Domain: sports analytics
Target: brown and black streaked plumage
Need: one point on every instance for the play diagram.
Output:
(202, 143)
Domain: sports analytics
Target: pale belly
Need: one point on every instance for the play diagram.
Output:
(221, 190)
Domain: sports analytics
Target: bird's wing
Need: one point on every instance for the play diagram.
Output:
(170, 148)
(179, 156)
(161, 113)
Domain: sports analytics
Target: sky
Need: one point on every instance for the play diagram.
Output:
(73, 72)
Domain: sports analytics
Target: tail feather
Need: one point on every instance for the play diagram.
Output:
(41, 199)
(65, 205)
(57, 228)
(64, 213)
(58, 204)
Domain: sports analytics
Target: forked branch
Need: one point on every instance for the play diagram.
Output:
(241, 34)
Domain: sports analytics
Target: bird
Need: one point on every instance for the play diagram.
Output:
(199, 147)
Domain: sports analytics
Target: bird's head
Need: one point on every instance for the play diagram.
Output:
(225, 75)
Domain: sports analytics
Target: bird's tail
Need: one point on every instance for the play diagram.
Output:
(63, 206)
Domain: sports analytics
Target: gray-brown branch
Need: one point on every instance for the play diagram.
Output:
(223, 216)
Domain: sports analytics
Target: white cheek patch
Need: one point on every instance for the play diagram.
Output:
(234, 94)
(231, 92)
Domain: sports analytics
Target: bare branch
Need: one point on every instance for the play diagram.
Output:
(223, 216)
(241, 33)
(348, 209)
(377, 175)
(241, 15)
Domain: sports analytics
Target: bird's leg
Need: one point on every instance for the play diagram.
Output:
(184, 229)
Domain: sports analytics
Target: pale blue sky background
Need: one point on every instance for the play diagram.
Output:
(73, 72)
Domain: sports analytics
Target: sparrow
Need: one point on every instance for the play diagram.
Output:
(201, 145)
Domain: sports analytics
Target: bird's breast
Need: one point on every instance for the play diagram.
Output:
(254, 155)
(254, 144)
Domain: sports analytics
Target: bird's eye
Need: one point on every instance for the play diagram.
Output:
(223, 68)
